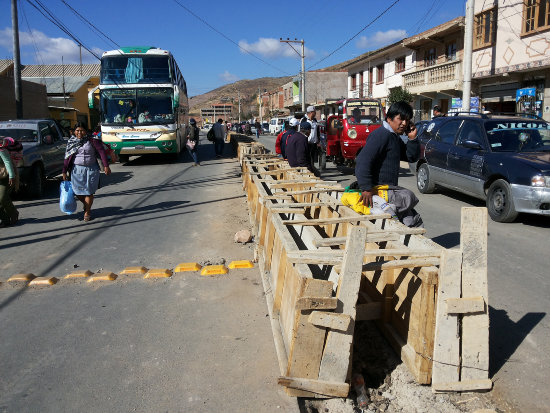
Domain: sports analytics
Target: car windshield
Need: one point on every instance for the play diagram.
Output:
(518, 136)
(22, 135)
(137, 106)
(363, 113)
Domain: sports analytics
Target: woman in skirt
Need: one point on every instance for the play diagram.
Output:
(81, 162)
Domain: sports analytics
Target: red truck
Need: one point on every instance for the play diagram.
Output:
(346, 128)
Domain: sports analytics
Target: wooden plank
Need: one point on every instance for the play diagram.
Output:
(278, 171)
(334, 321)
(336, 356)
(326, 388)
(466, 385)
(334, 257)
(287, 184)
(411, 263)
(314, 191)
(328, 221)
(465, 305)
(288, 210)
(316, 303)
(475, 327)
(327, 242)
(305, 204)
(369, 311)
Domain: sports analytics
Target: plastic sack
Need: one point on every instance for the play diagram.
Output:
(67, 201)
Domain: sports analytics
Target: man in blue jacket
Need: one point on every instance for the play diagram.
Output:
(297, 150)
(377, 165)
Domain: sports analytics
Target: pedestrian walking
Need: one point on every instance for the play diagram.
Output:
(377, 165)
(219, 137)
(192, 142)
(297, 150)
(292, 128)
(8, 212)
(258, 127)
(82, 166)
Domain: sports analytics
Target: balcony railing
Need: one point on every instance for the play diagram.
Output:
(434, 78)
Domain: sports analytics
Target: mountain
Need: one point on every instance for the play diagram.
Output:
(248, 89)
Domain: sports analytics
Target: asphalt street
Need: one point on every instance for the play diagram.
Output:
(519, 288)
(185, 343)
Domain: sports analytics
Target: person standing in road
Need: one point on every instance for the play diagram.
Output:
(313, 138)
(291, 129)
(258, 129)
(81, 163)
(192, 142)
(297, 150)
(437, 112)
(219, 137)
(377, 165)
(8, 213)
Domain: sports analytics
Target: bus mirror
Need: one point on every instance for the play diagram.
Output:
(176, 100)
(91, 97)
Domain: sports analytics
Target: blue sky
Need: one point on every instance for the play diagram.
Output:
(209, 59)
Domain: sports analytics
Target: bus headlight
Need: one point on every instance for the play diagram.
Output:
(352, 133)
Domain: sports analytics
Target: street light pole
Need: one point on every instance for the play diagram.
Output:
(468, 43)
(303, 74)
(16, 62)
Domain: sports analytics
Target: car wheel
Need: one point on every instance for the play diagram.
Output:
(500, 204)
(123, 158)
(37, 182)
(423, 182)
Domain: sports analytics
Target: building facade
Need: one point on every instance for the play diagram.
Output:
(511, 58)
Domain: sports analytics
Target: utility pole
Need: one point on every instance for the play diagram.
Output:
(303, 74)
(239, 106)
(63, 77)
(468, 46)
(260, 99)
(16, 62)
(80, 47)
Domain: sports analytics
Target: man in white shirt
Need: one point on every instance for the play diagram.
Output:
(313, 138)
(219, 137)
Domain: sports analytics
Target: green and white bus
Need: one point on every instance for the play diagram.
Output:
(143, 102)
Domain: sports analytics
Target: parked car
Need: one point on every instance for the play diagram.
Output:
(265, 127)
(502, 159)
(43, 151)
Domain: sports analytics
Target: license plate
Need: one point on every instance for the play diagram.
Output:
(140, 146)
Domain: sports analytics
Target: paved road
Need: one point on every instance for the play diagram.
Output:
(188, 343)
(519, 289)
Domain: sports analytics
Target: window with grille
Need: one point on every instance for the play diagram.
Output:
(353, 82)
(536, 16)
(400, 64)
(450, 52)
(430, 57)
(485, 26)
(380, 74)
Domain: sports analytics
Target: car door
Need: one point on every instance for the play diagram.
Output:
(60, 145)
(465, 164)
(47, 148)
(436, 150)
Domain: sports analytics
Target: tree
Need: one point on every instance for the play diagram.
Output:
(398, 94)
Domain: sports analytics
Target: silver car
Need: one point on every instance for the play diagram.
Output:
(43, 151)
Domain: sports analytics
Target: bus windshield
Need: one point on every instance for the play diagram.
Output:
(137, 106)
(135, 69)
(363, 113)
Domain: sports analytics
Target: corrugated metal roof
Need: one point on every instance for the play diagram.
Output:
(4, 64)
(92, 69)
(55, 84)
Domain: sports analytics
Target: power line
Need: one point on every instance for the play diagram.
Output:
(37, 54)
(355, 35)
(229, 39)
(90, 24)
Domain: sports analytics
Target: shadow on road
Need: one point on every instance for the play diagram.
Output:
(505, 336)
(449, 240)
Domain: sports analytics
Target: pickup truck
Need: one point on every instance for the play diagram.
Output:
(43, 151)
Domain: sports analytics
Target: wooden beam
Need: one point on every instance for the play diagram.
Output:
(446, 355)
(327, 242)
(316, 303)
(412, 263)
(329, 221)
(276, 184)
(289, 210)
(369, 311)
(305, 204)
(314, 191)
(475, 327)
(465, 385)
(465, 305)
(334, 321)
(336, 356)
(326, 388)
(334, 257)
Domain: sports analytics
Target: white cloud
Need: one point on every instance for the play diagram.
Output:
(380, 39)
(227, 77)
(50, 49)
(272, 48)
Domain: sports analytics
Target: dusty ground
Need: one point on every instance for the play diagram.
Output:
(390, 386)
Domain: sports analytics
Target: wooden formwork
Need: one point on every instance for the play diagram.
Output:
(325, 267)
